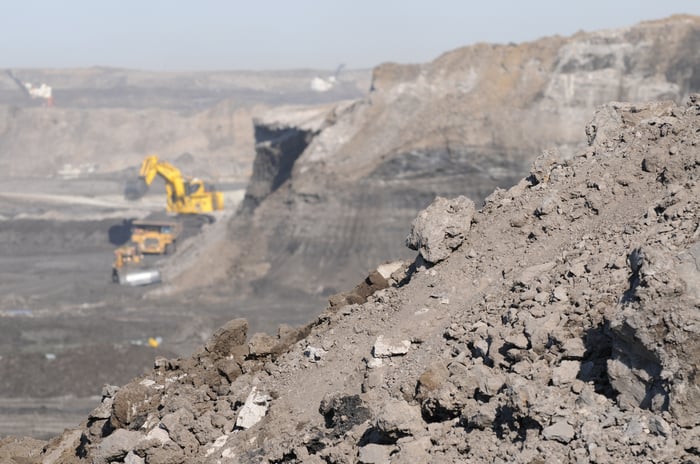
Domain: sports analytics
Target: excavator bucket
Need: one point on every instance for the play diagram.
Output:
(135, 189)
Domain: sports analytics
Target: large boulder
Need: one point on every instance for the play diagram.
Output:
(441, 228)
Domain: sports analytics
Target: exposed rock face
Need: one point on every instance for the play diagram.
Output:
(46, 141)
(472, 120)
(655, 345)
(570, 336)
(281, 136)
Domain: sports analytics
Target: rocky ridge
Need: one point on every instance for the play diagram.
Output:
(557, 323)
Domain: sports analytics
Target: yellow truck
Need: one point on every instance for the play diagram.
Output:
(155, 237)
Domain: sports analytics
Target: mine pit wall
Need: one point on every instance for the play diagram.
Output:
(276, 151)
(685, 68)
(322, 244)
(479, 136)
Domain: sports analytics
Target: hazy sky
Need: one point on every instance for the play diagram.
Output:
(280, 34)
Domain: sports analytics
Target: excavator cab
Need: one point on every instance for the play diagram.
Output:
(195, 187)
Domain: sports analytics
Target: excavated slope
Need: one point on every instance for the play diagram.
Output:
(332, 195)
(46, 142)
(558, 323)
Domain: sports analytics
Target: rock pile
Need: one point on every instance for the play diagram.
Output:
(562, 326)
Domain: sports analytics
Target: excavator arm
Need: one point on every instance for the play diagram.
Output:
(152, 167)
(149, 169)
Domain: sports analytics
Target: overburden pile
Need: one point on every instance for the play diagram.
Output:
(558, 323)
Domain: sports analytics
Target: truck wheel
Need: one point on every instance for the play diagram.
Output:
(115, 276)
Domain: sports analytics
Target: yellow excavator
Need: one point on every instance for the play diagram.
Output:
(184, 195)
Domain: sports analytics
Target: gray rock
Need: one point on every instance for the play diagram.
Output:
(116, 446)
(560, 431)
(539, 330)
(178, 424)
(689, 271)
(203, 429)
(547, 206)
(224, 341)
(385, 348)
(229, 368)
(254, 409)
(592, 432)
(104, 410)
(542, 166)
(314, 354)
(413, 451)
(108, 391)
(489, 381)
(574, 348)
(262, 344)
(531, 273)
(132, 458)
(483, 418)
(68, 443)
(653, 363)
(131, 405)
(431, 379)
(659, 426)
(398, 418)
(441, 228)
(389, 270)
(633, 428)
(565, 372)
(518, 340)
(559, 293)
(375, 454)
(481, 347)
(578, 269)
(158, 434)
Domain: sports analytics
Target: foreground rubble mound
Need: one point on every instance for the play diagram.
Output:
(561, 326)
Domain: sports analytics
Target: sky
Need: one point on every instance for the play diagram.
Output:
(285, 34)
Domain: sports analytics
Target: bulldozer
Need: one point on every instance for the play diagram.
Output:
(155, 237)
(185, 195)
(128, 267)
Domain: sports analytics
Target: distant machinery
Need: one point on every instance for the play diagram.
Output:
(34, 91)
(320, 84)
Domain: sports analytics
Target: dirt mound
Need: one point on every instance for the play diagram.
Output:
(563, 328)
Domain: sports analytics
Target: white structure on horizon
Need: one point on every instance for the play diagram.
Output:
(319, 84)
(42, 91)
